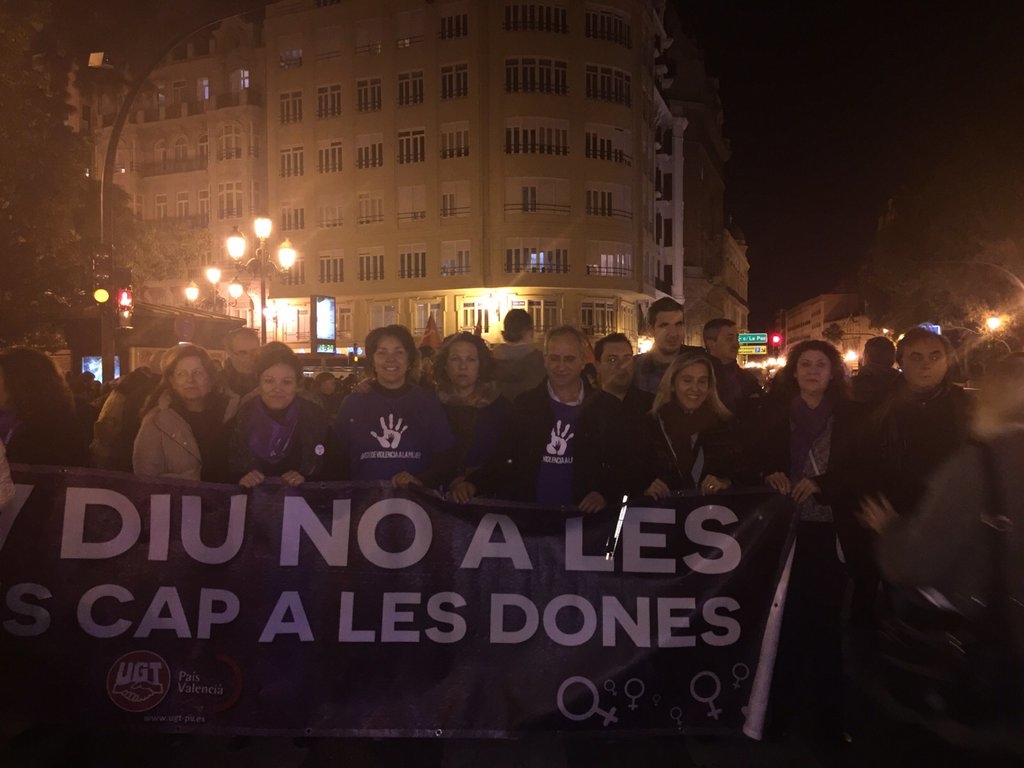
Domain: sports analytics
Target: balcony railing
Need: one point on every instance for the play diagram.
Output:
(411, 215)
(550, 269)
(162, 167)
(597, 269)
(537, 208)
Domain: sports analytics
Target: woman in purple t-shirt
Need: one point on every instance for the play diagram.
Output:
(395, 430)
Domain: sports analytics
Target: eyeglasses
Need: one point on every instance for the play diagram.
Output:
(199, 374)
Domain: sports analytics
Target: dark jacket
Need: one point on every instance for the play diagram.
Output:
(514, 474)
(616, 427)
(873, 383)
(718, 446)
(738, 389)
(306, 454)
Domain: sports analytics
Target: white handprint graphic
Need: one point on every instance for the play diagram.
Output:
(560, 437)
(391, 432)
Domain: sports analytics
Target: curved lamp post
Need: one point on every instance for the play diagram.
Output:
(260, 263)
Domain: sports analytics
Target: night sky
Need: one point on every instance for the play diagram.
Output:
(833, 108)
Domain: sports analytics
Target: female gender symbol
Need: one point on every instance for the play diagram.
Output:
(740, 672)
(638, 689)
(595, 702)
(713, 711)
(656, 698)
(676, 713)
(609, 685)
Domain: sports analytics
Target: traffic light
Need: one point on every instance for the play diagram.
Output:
(124, 299)
(776, 339)
(776, 342)
(102, 274)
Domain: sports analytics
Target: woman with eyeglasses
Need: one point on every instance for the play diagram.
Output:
(183, 432)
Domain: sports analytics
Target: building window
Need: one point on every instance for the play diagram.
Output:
(537, 195)
(290, 58)
(412, 146)
(454, 140)
(297, 274)
(291, 162)
(328, 100)
(371, 266)
(610, 259)
(292, 217)
(597, 318)
(328, 157)
(369, 94)
(543, 256)
(455, 198)
(475, 316)
(229, 143)
(291, 107)
(383, 314)
(599, 202)
(604, 24)
(454, 81)
(606, 142)
(371, 208)
(410, 88)
(332, 267)
(330, 213)
(240, 80)
(412, 203)
(524, 135)
(545, 313)
(455, 258)
(182, 205)
(180, 149)
(529, 197)
(343, 320)
(533, 75)
(370, 151)
(412, 261)
(229, 199)
(203, 89)
(608, 84)
(535, 17)
(454, 25)
(160, 202)
(203, 146)
(422, 312)
(203, 202)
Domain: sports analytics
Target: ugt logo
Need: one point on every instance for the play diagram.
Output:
(138, 681)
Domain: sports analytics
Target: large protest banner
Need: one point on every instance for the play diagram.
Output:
(348, 609)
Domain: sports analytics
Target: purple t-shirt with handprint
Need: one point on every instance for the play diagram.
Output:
(382, 434)
(554, 480)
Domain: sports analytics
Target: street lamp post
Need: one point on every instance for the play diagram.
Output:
(286, 256)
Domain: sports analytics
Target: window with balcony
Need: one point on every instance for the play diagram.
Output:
(455, 198)
(371, 266)
(454, 25)
(160, 203)
(203, 203)
(608, 84)
(369, 37)
(607, 24)
(455, 258)
(409, 28)
(412, 261)
(297, 274)
(369, 94)
(292, 162)
(332, 266)
(328, 100)
(422, 311)
(533, 255)
(410, 88)
(328, 156)
(203, 146)
(607, 142)
(229, 199)
(536, 75)
(454, 140)
(182, 205)
(412, 146)
(291, 107)
(454, 81)
(609, 259)
(536, 135)
(330, 211)
(371, 207)
(537, 195)
(369, 150)
(545, 313)
(475, 314)
(535, 17)
(292, 217)
(180, 149)
(412, 203)
(597, 317)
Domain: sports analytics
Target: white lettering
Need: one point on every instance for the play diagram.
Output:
(634, 539)
(288, 604)
(165, 597)
(209, 600)
(389, 632)
(614, 613)
(435, 609)
(723, 542)
(668, 621)
(73, 545)
(300, 518)
(367, 533)
(85, 609)
(191, 525)
(501, 601)
(711, 614)
(511, 547)
(575, 560)
(16, 602)
(588, 625)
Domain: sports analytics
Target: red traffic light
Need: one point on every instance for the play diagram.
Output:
(124, 298)
(776, 339)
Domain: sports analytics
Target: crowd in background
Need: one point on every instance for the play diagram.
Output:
(522, 421)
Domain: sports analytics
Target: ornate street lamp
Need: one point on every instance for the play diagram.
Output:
(286, 256)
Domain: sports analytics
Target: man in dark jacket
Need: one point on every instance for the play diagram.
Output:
(878, 375)
(738, 389)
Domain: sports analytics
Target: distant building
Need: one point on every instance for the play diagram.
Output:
(451, 160)
(835, 317)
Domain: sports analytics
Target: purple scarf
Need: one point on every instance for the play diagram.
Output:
(271, 432)
(8, 425)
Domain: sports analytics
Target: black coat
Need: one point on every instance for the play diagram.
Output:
(719, 442)
(51, 438)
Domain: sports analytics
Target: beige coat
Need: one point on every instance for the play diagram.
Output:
(165, 445)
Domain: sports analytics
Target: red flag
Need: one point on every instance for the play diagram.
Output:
(432, 336)
(479, 330)
(591, 357)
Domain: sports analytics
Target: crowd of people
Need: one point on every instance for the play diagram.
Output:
(522, 422)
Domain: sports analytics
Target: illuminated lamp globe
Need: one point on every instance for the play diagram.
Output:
(213, 275)
(236, 244)
(262, 227)
(286, 255)
(994, 323)
(235, 289)
(101, 295)
(192, 291)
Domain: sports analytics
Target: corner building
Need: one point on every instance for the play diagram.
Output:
(460, 159)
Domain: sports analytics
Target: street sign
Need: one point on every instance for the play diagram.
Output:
(753, 338)
(752, 349)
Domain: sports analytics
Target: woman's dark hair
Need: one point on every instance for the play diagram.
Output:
(276, 353)
(404, 337)
(169, 362)
(444, 383)
(33, 383)
(785, 383)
